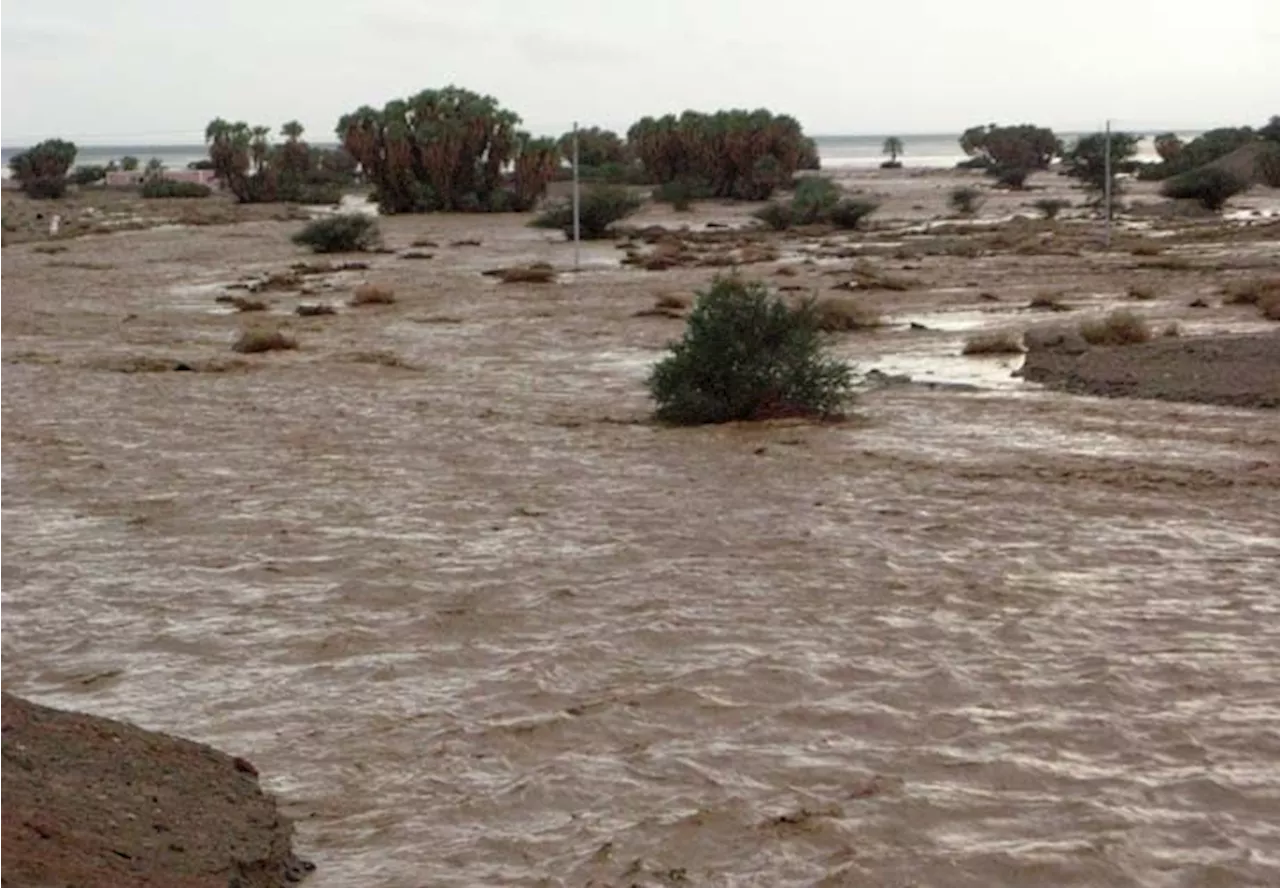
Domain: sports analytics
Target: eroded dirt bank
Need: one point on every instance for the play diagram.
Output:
(1236, 371)
(94, 803)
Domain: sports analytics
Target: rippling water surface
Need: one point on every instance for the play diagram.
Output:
(477, 624)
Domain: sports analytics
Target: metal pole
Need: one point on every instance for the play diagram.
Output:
(1106, 188)
(577, 202)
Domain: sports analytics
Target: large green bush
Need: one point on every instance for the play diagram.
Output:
(817, 200)
(599, 207)
(1209, 186)
(87, 175)
(343, 233)
(747, 355)
(42, 169)
(1086, 161)
(1024, 146)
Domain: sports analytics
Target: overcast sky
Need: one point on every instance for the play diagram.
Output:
(121, 71)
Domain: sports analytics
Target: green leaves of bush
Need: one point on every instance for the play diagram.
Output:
(599, 208)
(747, 355)
(344, 233)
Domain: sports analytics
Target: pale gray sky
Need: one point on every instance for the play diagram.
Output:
(120, 71)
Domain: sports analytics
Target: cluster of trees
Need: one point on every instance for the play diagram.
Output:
(449, 150)
(256, 170)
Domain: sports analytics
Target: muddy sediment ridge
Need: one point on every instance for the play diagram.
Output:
(476, 620)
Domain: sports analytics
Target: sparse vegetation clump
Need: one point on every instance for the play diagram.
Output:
(41, 170)
(87, 175)
(599, 207)
(1048, 302)
(841, 314)
(1120, 327)
(1050, 207)
(258, 340)
(343, 233)
(965, 199)
(1208, 186)
(817, 199)
(372, 294)
(449, 150)
(1141, 292)
(156, 187)
(996, 342)
(536, 273)
(748, 355)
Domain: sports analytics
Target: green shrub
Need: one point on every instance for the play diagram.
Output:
(156, 187)
(1024, 146)
(1209, 186)
(850, 212)
(344, 233)
(600, 206)
(315, 193)
(814, 198)
(1051, 206)
(42, 169)
(776, 214)
(747, 355)
(87, 175)
(1086, 161)
(965, 199)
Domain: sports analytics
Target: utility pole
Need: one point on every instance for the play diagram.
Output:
(1106, 188)
(577, 203)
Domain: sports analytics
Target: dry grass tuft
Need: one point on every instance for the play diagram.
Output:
(1146, 249)
(244, 303)
(994, 342)
(1048, 302)
(425, 243)
(1254, 291)
(537, 273)
(372, 294)
(49, 249)
(837, 314)
(416, 254)
(255, 341)
(1141, 292)
(1171, 330)
(314, 309)
(1271, 309)
(1120, 327)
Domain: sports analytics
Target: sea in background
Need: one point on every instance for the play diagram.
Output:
(836, 152)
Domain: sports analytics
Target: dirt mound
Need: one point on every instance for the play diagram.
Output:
(1257, 163)
(1237, 370)
(100, 804)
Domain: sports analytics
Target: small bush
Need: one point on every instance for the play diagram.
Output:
(316, 194)
(42, 169)
(965, 199)
(1141, 292)
(314, 309)
(997, 342)
(1209, 186)
(747, 355)
(1253, 291)
(814, 198)
(1051, 206)
(344, 233)
(257, 340)
(1048, 302)
(776, 214)
(537, 273)
(1146, 249)
(891, 165)
(600, 206)
(372, 294)
(156, 187)
(841, 314)
(850, 212)
(1120, 327)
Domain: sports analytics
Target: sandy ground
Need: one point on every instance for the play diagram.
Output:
(478, 621)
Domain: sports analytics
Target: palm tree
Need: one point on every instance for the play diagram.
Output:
(893, 147)
(292, 131)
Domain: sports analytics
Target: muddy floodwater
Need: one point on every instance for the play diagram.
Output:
(478, 622)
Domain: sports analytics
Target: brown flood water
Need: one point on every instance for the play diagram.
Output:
(477, 624)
